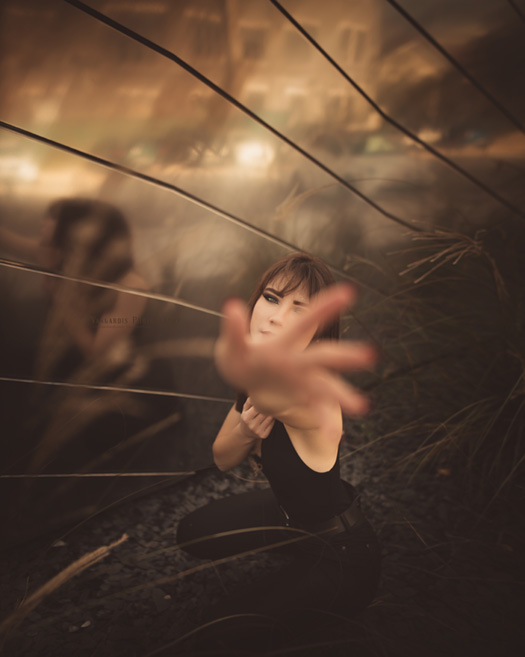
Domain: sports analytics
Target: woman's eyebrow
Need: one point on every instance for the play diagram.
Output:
(278, 294)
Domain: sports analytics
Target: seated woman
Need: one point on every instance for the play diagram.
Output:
(85, 239)
(284, 354)
(90, 330)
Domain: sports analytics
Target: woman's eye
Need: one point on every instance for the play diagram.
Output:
(270, 298)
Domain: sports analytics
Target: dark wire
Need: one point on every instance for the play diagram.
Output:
(107, 388)
(457, 65)
(14, 264)
(233, 101)
(160, 183)
(150, 179)
(519, 11)
(392, 121)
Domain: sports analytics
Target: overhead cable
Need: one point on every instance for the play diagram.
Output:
(395, 123)
(519, 11)
(492, 99)
(120, 168)
(109, 286)
(233, 101)
(138, 391)
(132, 173)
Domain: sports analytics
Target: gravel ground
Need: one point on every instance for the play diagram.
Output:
(451, 582)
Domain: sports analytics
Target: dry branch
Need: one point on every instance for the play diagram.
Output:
(78, 566)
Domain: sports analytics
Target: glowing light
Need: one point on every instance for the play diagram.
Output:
(254, 154)
(430, 135)
(15, 168)
(28, 171)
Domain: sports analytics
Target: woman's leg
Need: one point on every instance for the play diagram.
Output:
(337, 576)
(324, 578)
(241, 517)
(339, 573)
(302, 600)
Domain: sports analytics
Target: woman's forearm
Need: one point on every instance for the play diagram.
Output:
(232, 445)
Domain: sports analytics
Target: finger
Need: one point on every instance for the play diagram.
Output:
(266, 432)
(265, 423)
(261, 421)
(250, 415)
(352, 402)
(341, 356)
(231, 347)
(324, 307)
(234, 325)
(267, 427)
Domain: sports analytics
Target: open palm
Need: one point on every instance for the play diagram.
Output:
(278, 373)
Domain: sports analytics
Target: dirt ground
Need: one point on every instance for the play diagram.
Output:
(452, 580)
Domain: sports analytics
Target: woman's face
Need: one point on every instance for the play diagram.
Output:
(274, 313)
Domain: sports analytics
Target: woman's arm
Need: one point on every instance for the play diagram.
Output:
(299, 387)
(239, 435)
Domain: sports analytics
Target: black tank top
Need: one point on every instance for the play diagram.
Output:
(307, 496)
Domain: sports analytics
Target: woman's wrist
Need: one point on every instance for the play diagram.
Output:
(247, 435)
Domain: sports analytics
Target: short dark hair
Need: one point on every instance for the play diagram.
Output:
(297, 270)
(109, 225)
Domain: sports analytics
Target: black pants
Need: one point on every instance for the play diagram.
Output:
(336, 575)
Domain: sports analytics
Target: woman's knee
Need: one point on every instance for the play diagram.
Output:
(226, 526)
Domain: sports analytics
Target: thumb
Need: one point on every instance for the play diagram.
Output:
(231, 346)
(234, 324)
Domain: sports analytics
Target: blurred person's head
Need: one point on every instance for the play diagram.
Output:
(88, 238)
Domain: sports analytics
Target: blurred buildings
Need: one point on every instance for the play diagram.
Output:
(53, 55)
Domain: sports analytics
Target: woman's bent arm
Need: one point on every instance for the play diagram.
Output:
(232, 444)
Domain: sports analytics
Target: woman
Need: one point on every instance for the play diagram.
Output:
(90, 332)
(90, 239)
(283, 353)
(86, 239)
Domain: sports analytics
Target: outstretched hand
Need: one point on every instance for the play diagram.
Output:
(276, 374)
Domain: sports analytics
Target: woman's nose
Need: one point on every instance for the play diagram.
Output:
(278, 316)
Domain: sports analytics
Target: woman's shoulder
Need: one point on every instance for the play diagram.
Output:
(317, 441)
(318, 420)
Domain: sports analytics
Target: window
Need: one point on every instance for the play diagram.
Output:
(345, 40)
(359, 46)
(207, 35)
(297, 48)
(351, 44)
(253, 42)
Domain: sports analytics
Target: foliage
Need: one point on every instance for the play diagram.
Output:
(450, 330)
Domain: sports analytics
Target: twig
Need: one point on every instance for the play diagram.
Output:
(78, 566)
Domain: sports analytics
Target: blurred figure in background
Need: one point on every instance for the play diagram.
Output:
(88, 239)
(90, 331)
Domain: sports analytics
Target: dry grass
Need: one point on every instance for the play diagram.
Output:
(74, 569)
(449, 329)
